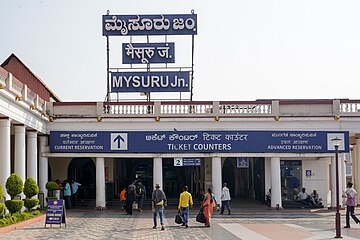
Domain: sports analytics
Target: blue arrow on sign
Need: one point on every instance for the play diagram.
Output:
(119, 139)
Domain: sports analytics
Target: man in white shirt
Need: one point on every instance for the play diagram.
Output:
(225, 199)
(74, 194)
(304, 197)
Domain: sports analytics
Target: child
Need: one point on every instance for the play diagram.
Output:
(123, 198)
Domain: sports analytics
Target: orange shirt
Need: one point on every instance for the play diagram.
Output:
(122, 195)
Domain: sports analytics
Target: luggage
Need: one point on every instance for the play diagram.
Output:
(201, 216)
(178, 219)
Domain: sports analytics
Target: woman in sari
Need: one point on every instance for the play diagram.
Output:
(207, 205)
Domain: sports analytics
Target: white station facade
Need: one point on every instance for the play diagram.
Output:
(252, 145)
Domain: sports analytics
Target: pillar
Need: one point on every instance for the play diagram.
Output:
(216, 171)
(19, 156)
(276, 201)
(356, 168)
(5, 162)
(333, 180)
(158, 172)
(43, 165)
(333, 183)
(100, 184)
(31, 152)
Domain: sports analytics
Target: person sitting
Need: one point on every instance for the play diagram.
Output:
(304, 197)
(315, 198)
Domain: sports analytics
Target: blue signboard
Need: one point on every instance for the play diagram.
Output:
(191, 162)
(150, 81)
(197, 141)
(242, 162)
(55, 212)
(137, 53)
(128, 25)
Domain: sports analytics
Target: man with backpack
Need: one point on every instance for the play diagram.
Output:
(158, 202)
(140, 195)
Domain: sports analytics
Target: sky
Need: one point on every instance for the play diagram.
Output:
(244, 50)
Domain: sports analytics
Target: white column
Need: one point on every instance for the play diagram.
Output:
(19, 156)
(343, 178)
(158, 172)
(216, 171)
(276, 201)
(43, 165)
(356, 168)
(100, 184)
(5, 162)
(354, 163)
(333, 183)
(31, 150)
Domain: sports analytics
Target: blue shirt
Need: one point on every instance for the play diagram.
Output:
(67, 190)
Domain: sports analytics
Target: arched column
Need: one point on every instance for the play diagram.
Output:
(5, 162)
(43, 165)
(276, 201)
(31, 151)
(158, 172)
(216, 171)
(100, 184)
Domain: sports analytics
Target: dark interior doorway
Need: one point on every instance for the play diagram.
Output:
(136, 169)
(82, 170)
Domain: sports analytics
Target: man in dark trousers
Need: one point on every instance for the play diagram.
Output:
(130, 198)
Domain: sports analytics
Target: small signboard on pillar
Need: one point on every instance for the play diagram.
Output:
(55, 213)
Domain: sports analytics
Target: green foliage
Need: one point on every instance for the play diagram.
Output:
(49, 198)
(2, 208)
(14, 185)
(17, 217)
(51, 186)
(1, 192)
(30, 188)
(14, 205)
(29, 203)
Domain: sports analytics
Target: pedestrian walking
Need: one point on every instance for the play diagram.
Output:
(184, 202)
(225, 199)
(140, 195)
(130, 198)
(158, 202)
(350, 194)
(207, 205)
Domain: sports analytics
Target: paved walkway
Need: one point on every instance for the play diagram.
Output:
(247, 225)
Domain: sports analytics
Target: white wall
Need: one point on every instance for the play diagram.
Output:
(319, 180)
(59, 168)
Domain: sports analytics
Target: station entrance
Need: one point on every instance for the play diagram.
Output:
(134, 169)
(247, 180)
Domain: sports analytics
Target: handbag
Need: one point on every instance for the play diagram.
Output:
(178, 219)
(200, 217)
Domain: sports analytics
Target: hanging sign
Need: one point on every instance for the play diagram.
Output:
(242, 162)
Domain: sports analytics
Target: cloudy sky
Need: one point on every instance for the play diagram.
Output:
(244, 50)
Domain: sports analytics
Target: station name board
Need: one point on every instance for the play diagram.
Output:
(150, 81)
(129, 25)
(137, 53)
(197, 141)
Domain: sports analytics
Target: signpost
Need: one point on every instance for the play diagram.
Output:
(55, 213)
